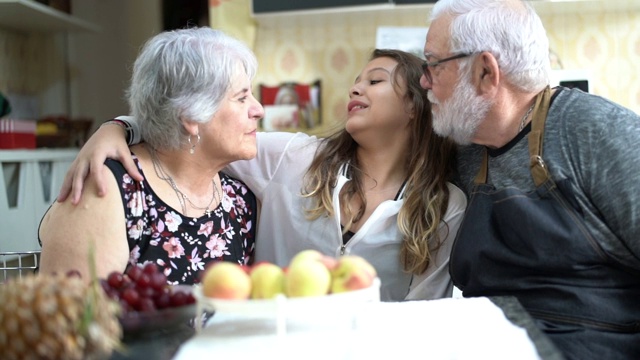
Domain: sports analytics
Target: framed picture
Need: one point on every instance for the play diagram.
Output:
(291, 106)
(281, 117)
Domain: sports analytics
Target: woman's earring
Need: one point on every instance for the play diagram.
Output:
(193, 146)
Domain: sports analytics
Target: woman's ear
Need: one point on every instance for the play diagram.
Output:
(486, 73)
(191, 127)
(410, 109)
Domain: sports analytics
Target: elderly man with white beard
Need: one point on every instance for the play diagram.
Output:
(550, 174)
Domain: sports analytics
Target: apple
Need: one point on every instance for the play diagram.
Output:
(314, 255)
(308, 274)
(267, 280)
(226, 280)
(352, 272)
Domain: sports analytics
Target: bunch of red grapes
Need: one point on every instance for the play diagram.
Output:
(144, 289)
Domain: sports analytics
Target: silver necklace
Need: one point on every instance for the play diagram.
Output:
(182, 197)
(524, 118)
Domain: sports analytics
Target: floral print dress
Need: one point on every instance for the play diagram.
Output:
(182, 246)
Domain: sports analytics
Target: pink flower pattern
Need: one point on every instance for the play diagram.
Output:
(174, 248)
(183, 246)
(217, 246)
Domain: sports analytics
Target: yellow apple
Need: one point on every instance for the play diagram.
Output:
(352, 273)
(267, 281)
(226, 280)
(314, 255)
(308, 274)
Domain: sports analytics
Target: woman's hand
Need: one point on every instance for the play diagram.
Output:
(107, 142)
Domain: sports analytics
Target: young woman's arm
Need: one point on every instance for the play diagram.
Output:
(106, 142)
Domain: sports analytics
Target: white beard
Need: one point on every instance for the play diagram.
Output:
(459, 117)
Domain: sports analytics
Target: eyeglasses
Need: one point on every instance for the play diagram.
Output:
(426, 65)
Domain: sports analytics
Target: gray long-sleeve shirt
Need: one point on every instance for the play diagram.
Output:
(594, 143)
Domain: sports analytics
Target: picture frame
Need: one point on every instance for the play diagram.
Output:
(291, 106)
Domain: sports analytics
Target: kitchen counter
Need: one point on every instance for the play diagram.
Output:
(501, 329)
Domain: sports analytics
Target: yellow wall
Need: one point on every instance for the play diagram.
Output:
(607, 43)
(594, 35)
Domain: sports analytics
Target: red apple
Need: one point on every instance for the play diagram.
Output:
(352, 273)
(308, 274)
(226, 280)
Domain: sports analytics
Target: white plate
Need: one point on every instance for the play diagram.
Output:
(281, 305)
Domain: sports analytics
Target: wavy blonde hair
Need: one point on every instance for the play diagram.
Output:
(430, 163)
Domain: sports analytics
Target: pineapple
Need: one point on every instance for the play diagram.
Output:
(57, 317)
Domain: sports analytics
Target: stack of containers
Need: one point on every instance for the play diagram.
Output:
(17, 134)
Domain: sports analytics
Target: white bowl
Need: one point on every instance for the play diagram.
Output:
(282, 307)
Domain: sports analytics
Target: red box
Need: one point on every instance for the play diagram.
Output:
(17, 141)
(17, 134)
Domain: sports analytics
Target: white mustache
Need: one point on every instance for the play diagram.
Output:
(432, 99)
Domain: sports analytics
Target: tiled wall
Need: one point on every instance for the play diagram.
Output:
(603, 39)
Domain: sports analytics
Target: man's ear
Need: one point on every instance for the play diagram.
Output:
(486, 73)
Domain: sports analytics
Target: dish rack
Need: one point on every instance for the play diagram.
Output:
(18, 263)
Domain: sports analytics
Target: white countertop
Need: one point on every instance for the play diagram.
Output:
(439, 329)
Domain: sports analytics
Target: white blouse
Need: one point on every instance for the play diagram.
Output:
(276, 177)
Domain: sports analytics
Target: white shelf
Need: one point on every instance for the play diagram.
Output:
(29, 183)
(31, 16)
(39, 154)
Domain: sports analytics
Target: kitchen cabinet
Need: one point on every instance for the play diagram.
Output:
(262, 7)
(29, 184)
(403, 2)
(31, 179)
(32, 32)
(31, 16)
(284, 8)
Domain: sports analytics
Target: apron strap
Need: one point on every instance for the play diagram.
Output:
(481, 177)
(537, 166)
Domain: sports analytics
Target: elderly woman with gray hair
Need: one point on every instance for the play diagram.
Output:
(191, 94)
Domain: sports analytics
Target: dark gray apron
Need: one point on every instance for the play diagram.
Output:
(535, 246)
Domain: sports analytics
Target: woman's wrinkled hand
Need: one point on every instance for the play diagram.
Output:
(106, 142)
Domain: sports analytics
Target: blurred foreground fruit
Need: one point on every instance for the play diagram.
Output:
(226, 280)
(144, 289)
(352, 273)
(56, 317)
(267, 281)
(308, 274)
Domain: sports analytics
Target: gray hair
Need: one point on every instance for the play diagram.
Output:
(510, 30)
(183, 73)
